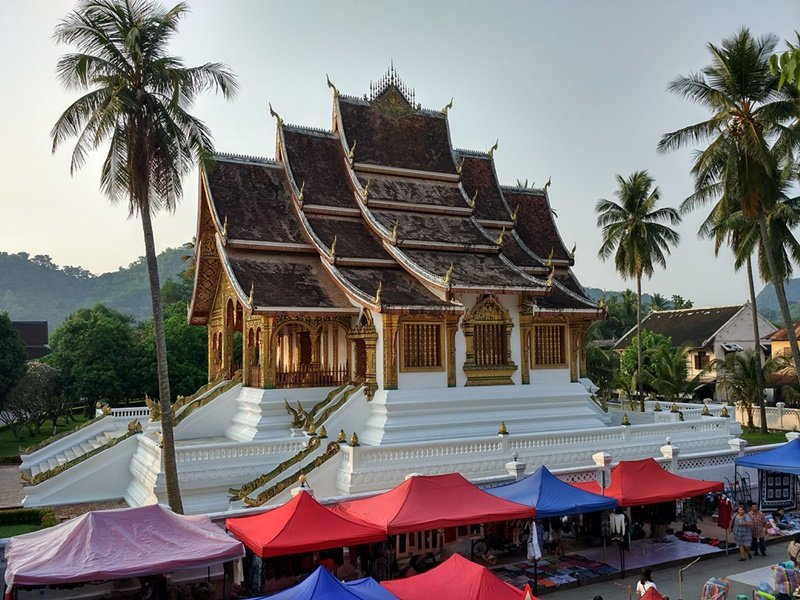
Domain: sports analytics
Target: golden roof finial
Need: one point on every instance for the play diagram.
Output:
(448, 275)
(473, 201)
(354, 440)
(547, 185)
(332, 251)
(502, 430)
(514, 214)
(225, 227)
(460, 166)
(499, 240)
(492, 150)
(342, 437)
(550, 257)
(302, 193)
(333, 87)
(549, 281)
(366, 189)
(447, 107)
(250, 297)
(378, 292)
(352, 153)
(394, 230)
(274, 114)
(574, 247)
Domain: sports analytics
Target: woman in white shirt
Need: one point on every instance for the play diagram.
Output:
(645, 583)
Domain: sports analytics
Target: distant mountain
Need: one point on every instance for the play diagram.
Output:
(33, 288)
(767, 301)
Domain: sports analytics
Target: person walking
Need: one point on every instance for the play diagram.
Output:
(742, 528)
(759, 530)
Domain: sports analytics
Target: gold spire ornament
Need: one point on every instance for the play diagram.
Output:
(514, 215)
(333, 87)
(332, 251)
(492, 150)
(378, 292)
(354, 440)
(626, 420)
(447, 107)
(351, 155)
(499, 240)
(502, 430)
(276, 115)
(657, 407)
(448, 275)
(460, 166)
(549, 281)
(342, 437)
(473, 201)
(724, 412)
(706, 412)
(574, 247)
(674, 408)
(322, 432)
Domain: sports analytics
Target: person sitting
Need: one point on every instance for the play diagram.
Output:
(781, 520)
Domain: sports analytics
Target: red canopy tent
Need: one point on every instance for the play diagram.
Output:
(301, 525)
(651, 594)
(429, 502)
(456, 577)
(635, 482)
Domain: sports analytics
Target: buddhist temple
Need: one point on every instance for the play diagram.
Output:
(377, 304)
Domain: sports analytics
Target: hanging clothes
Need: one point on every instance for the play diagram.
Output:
(617, 523)
(725, 511)
(534, 549)
(689, 516)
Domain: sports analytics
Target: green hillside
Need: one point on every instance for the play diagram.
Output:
(33, 288)
(767, 301)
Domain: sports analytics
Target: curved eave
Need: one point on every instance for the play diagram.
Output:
(226, 267)
(192, 316)
(218, 223)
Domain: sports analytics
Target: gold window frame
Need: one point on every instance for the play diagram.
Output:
(564, 346)
(441, 354)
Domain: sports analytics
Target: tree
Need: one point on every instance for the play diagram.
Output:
(786, 65)
(635, 233)
(669, 375)
(92, 349)
(741, 376)
(748, 134)
(137, 99)
(658, 302)
(12, 358)
(35, 399)
(641, 373)
(678, 302)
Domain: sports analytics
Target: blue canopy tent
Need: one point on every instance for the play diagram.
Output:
(552, 497)
(785, 459)
(322, 585)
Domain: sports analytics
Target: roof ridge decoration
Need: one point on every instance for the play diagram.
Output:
(515, 189)
(230, 156)
(473, 153)
(310, 130)
(391, 79)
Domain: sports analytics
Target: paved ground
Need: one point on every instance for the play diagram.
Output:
(667, 578)
(11, 493)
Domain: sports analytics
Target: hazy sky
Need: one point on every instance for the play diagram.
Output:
(574, 90)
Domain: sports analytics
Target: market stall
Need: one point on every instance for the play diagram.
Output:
(552, 497)
(456, 577)
(429, 502)
(635, 482)
(116, 544)
(777, 472)
(322, 585)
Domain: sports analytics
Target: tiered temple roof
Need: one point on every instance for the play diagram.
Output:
(380, 213)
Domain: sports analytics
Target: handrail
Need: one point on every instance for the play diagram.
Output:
(54, 438)
(202, 400)
(50, 473)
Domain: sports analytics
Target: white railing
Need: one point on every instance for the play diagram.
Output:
(778, 417)
(236, 450)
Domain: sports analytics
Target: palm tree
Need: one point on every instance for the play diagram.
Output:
(136, 99)
(670, 373)
(635, 233)
(749, 134)
(658, 302)
(741, 377)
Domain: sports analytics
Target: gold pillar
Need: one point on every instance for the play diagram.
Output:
(582, 348)
(451, 327)
(574, 336)
(247, 355)
(390, 323)
(526, 339)
(370, 377)
(269, 353)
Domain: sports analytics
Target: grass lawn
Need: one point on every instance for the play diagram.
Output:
(7, 531)
(759, 439)
(9, 446)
